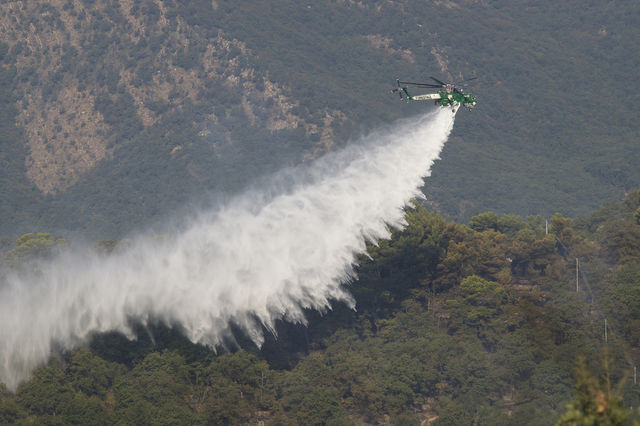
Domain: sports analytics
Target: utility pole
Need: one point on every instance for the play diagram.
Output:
(577, 270)
(606, 340)
(546, 227)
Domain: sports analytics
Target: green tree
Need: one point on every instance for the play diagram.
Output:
(90, 374)
(87, 410)
(48, 392)
(623, 299)
(30, 246)
(479, 301)
(562, 228)
(510, 224)
(594, 402)
(473, 253)
(155, 392)
(622, 241)
(316, 405)
(242, 374)
(532, 255)
(484, 221)
(10, 410)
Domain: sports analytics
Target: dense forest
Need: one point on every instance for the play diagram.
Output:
(114, 114)
(484, 323)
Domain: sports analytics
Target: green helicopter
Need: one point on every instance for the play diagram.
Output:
(448, 95)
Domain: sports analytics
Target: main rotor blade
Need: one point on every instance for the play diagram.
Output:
(441, 82)
(421, 84)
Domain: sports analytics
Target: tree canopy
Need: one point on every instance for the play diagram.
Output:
(455, 324)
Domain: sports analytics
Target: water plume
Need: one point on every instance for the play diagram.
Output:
(267, 254)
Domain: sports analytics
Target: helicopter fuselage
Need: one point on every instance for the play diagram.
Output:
(449, 94)
(446, 98)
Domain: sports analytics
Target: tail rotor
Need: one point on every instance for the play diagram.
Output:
(398, 89)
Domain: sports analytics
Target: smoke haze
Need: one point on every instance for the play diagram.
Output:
(265, 255)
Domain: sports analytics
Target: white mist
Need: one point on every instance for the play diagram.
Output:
(265, 255)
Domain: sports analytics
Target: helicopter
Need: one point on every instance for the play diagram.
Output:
(449, 94)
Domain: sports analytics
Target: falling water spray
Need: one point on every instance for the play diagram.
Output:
(267, 254)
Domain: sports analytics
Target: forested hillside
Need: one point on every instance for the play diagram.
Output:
(115, 114)
(455, 324)
(507, 299)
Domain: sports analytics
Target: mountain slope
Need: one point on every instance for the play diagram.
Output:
(126, 111)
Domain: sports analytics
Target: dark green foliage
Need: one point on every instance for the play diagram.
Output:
(91, 374)
(10, 410)
(484, 222)
(479, 301)
(48, 392)
(447, 330)
(510, 224)
(409, 256)
(34, 246)
(312, 405)
(87, 410)
(532, 255)
(120, 113)
(624, 299)
(155, 392)
(233, 386)
(4, 50)
(594, 402)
